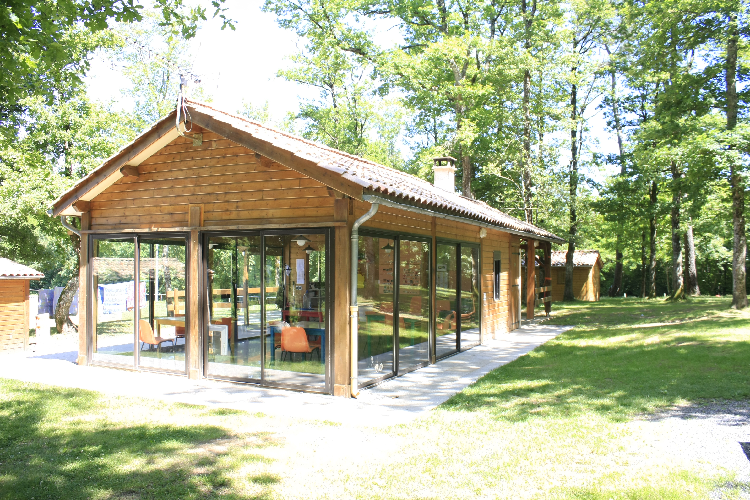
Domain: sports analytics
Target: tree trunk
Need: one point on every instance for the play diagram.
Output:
(643, 264)
(467, 175)
(676, 240)
(739, 247)
(526, 177)
(62, 313)
(528, 12)
(691, 270)
(617, 283)
(652, 242)
(573, 191)
(371, 284)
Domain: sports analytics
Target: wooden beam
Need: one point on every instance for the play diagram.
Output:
(83, 295)
(194, 333)
(277, 154)
(82, 206)
(530, 279)
(548, 278)
(341, 355)
(129, 171)
(122, 158)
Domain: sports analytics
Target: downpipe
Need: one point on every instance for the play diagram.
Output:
(66, 225)
(353, 307)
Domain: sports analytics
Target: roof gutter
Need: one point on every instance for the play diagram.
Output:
(66, 225)
(388, 203)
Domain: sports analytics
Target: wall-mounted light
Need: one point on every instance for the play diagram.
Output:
(301, 240)
(287, 270)
(483, 232)
(309, 249)
(388, 248)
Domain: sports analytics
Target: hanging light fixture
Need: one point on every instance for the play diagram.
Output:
(309, 249)
(388, 248)
(301, 240)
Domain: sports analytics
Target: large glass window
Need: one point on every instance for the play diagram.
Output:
(115, 300)
(470, 306)
(233, 331)
(446, 295)
(375, 274)
(295, 276)
(267, 308)
(162, 334)
(413, 304)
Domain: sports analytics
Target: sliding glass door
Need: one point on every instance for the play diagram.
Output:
(470, 306)
(267, 308)
(413, 304)
(162, 331)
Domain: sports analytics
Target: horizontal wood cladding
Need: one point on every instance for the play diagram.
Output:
(235, 187)
(393, 219)
(14, 314)
(496, 312)
(585, 284)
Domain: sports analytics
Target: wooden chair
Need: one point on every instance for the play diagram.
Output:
(415, 307)
(294, 339)
(446, 322)
(146, 335)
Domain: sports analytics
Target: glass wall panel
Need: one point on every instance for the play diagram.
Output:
(470, 309)
(233, 281)
(295, 309)
(113, 269)
(413, 304)
(375, 301)
(446, 324)
(162, 272)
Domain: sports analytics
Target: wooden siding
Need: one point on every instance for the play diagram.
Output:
(14, 314)
(585, 283)
(495, 313)
(231, 184)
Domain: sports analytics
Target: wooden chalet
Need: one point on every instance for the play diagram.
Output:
(587, 266)
(226, 249)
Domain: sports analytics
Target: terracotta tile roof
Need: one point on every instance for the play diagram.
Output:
(14, 270)
(375, 178)
(581, 258)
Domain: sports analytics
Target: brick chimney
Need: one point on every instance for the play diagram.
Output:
(445, 173)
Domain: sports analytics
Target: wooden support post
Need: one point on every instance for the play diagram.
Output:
(194, 334)
(341, 332)
(83, 294)
(530, 278)
(548, 277)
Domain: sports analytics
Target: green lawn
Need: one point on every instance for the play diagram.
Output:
(568, 420)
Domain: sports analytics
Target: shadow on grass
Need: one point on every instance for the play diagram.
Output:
(52, 447)
(621, 370)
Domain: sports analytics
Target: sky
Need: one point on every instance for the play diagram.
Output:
(240, 66)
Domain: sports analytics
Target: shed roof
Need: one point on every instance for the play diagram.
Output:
(581, 258)
(10, 270)
(357, 177)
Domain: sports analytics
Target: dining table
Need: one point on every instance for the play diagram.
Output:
(223, 330)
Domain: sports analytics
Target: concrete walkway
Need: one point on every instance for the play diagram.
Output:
(397, 400)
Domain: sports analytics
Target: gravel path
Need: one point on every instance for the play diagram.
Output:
(713, 437)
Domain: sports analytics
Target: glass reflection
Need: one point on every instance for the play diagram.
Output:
(446, 322)
(113, 269)
(375, 301)
(413, 304)
(233, 333)
(162, 334)
(469, 296)
(295, 309)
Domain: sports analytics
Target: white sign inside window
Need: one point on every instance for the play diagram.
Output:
(300, 271)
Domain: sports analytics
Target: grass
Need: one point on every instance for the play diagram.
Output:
(578, 417)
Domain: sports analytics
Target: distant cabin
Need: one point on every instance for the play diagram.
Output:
(14, 304)
(587, 266)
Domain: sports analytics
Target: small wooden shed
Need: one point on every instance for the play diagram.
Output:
(587, 266)
(14, 304)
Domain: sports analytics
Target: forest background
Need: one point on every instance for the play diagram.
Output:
(508, 88)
